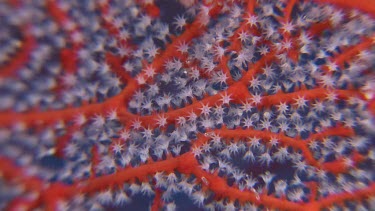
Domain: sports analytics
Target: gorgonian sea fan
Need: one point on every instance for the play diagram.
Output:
(214, 105)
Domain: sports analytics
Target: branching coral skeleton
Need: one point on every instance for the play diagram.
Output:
(237, 105)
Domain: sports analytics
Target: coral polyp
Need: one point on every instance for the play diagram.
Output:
(187, 105)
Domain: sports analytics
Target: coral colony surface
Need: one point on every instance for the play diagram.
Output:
(187, 105)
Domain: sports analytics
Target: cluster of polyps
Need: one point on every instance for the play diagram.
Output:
(233, 105)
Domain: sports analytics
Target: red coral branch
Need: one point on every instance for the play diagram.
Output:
(22, 56)
(189, 163)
